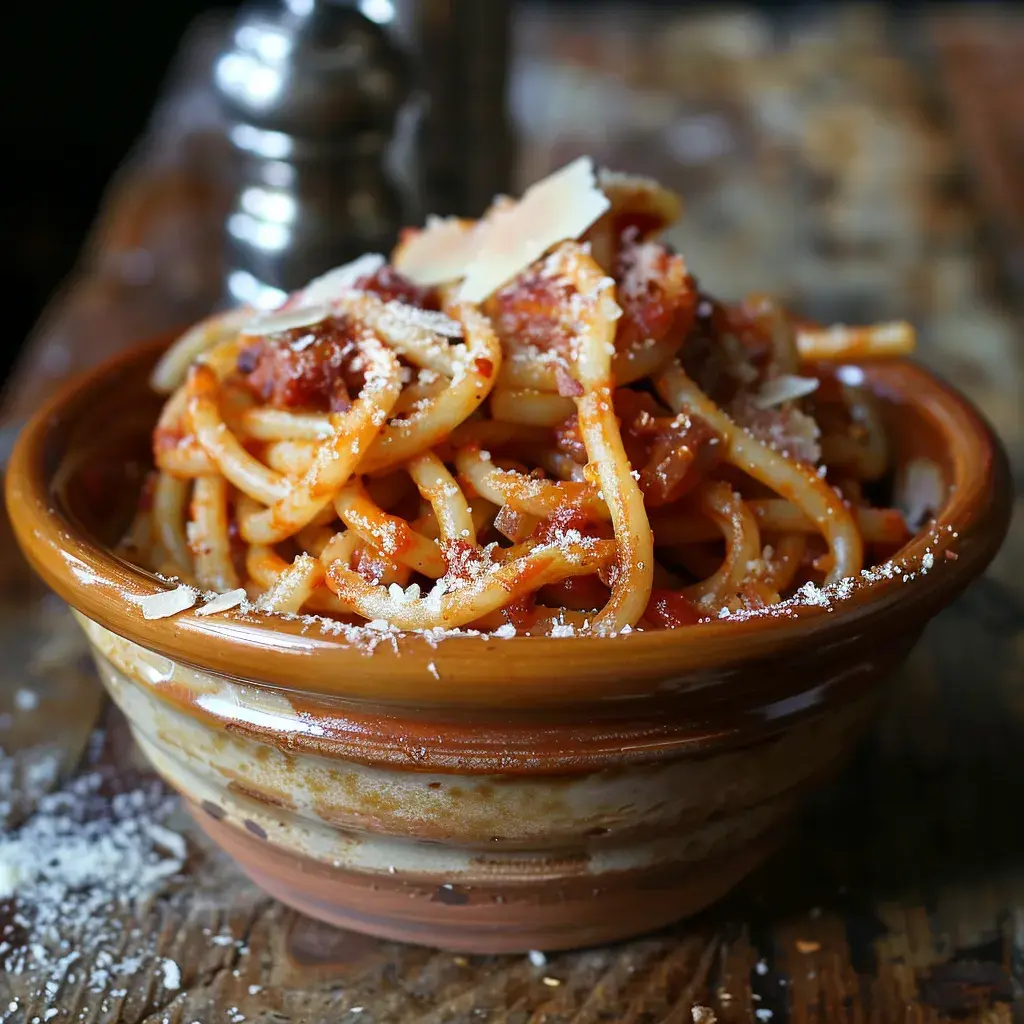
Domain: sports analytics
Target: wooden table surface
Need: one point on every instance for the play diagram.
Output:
(862, 166)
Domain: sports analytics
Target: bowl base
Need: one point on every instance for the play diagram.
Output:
(491, 917)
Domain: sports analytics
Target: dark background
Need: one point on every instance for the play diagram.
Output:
(80, 77)
(79, 80)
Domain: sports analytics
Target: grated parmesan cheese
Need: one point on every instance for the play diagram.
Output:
(426, 319)
(82, 854)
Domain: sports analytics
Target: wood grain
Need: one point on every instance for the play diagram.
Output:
(820, 159)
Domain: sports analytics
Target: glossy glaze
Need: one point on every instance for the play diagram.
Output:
(449, 793)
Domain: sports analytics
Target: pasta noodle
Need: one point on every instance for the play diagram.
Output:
(598, 446)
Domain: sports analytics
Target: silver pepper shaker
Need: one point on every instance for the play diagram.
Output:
(311, 89)
(464, 145)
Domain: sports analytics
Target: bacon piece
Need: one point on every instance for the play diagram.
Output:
(675, 452)
(683, 451)
(314, 367)
(534, 311)
(657, 295)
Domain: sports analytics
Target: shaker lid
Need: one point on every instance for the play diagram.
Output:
(312, 68)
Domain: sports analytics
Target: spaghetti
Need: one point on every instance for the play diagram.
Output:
(576, 439)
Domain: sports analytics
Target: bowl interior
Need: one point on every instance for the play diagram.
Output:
(96, 460)
(96, 463)
(75, 478)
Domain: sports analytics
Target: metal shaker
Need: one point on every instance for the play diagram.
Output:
(311, 90)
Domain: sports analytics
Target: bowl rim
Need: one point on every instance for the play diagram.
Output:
(403, 668)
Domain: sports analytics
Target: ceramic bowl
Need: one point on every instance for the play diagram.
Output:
(480, 794)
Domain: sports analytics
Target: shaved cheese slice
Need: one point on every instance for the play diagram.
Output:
(223, 602)
(329, 286)
(287, 320)
(920, 492)
(784, 388)
(441, 252)
(167, 602)
(559, 208)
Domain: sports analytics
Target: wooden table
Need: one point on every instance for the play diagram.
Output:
(862, 167)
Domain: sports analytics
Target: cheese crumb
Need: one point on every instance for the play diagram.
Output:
(171, 976)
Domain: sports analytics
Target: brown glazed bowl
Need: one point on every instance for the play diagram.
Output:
(489, 795)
